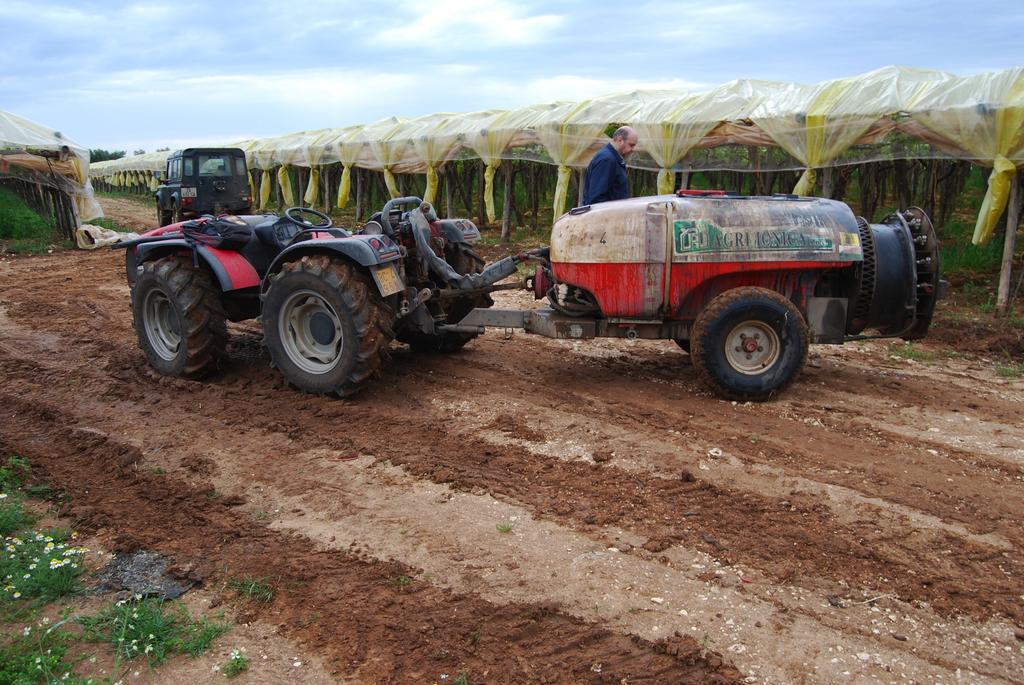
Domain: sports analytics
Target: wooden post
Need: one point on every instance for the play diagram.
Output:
(449, 180)
(480, 193)
(506, 210)
(359, 193)
(1009, 244)
(325, 187)
(826, 182)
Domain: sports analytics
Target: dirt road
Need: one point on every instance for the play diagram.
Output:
(532, 511)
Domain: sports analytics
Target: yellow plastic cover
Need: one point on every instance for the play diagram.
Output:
(841, 121)
(40, 152)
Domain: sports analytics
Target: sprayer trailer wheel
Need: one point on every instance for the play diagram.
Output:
(749, 343)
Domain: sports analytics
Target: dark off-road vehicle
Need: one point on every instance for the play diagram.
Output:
(203, 180)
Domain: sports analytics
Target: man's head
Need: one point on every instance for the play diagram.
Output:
(624, 140)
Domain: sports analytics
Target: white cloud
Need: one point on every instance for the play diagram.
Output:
(480, 24)
(570, 87)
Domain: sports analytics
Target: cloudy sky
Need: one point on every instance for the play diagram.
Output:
(129, 75)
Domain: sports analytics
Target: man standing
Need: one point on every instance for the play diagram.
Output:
(606, 173)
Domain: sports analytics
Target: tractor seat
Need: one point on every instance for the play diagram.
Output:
(270, 234)
(264, 245)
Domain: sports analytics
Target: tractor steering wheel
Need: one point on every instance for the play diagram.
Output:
(297, 215)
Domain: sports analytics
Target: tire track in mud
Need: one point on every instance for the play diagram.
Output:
(350, 608)
(862, 452)
(737, 526)
(793, 534)
(451, 537)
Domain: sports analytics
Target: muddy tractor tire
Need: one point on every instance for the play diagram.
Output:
(179, 318)
(749, 343)
(465, 262)
(326, 326)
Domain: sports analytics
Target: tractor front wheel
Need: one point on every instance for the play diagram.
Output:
(749, 343)
(326, 326)
(179, 318)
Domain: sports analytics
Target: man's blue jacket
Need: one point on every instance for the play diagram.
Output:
(606, 177)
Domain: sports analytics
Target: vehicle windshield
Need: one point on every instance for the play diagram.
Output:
(214, 165)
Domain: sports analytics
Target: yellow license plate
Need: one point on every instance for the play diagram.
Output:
(388, 280)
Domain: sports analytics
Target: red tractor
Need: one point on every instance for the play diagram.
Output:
(741, 283)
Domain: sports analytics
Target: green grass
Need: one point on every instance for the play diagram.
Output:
(237, 664)
(505, 527)
(524, 236)
(39, 566)
(43, 564)
(104, 222)
(401, 582)
(958, 256)
(18, 221)
(14, 473)
(23, 231)
(38, 654)
(908, 351)
(151, 629)
(13, 516)
(1012, 370)
(257, 589)
(36, 564)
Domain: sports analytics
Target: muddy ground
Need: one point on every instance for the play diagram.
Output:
(530, 511)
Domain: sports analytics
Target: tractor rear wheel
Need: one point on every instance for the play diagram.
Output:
(465, 262)
(749, 343)
(179, 318)
(326, 326)
(163, 216)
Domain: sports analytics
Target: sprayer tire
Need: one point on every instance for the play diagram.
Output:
(179, 318)
(749, 343)
(325, 325)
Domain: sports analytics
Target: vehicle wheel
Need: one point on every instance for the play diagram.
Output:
(326, 326)
(464, 262)
(179, 318)
(163, 216)
(749, 343)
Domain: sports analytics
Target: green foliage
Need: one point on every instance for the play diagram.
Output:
(520, 236)
(258, 589)
(111, 224)
(14, 473)
(152, 629)
(1012, 370)
(99, 155)
(908, 351)
(957, 255)
(400, 582)
(237, 664)
(13, 516)
(505, 527)
(19, 222)
(39, 564)
(37, 654)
